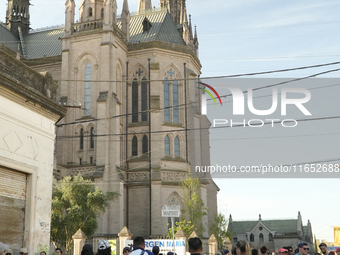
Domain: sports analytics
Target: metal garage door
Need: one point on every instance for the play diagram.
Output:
(12, 207)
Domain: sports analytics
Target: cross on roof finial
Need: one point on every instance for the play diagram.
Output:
(171, 73)
(139, 72)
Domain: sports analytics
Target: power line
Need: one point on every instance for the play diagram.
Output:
(183, 105)
(213, 128)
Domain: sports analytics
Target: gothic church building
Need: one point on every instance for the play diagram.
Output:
(129, 83)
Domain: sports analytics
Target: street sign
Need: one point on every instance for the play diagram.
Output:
(170, 211)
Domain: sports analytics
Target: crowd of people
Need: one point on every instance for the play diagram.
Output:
(195, 248)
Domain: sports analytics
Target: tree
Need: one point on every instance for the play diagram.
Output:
(194, 208)
(76, 203)
(219, 229)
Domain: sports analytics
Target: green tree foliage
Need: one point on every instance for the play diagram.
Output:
(219, 229)
(194, 208)
(185, 225)
(76, 203)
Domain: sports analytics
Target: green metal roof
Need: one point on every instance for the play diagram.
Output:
(280, 226)
(8, 39)
(163, 28)
(44, 43)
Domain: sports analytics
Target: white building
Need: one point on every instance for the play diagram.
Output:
(28, 112)
(274, 234)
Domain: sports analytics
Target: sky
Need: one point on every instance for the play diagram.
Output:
(246, 36)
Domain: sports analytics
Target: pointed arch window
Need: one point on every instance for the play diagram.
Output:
(251, 238)
(261, 238)
(87, 89)
(166, 100)
(134, 146)
(90, 12)
(175, 101)
(92, 138)
(270, 237)
(81, 139)
(145, 147)
(102, 13)
(144, 100)
(167, 146)
(177, 147)
(134, 100)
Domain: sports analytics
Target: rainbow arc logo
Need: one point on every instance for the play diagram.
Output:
(204, 97)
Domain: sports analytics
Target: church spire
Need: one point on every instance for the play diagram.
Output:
(190, 28)
(143, 6)
(18, 17)
(125, 18)
(69, 16)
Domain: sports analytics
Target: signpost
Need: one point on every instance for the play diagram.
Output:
(171, 211)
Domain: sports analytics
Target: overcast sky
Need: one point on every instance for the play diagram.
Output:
(242, 36)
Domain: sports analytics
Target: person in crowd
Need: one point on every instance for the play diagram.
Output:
(264, 250)
(43, 253)
(218, 253)
(290, 250)
(233, 251)
(3, 248)
(155, 250)
(104, 247)
(87, 250)
(195, 245)
(303, 249)
(59, 251)
(226, 252)
(323, 248)
(254, 252)
(332, 253)
(139, 246)
(9, 252)
(283, 251)
(23, 251)
(337, 251)
(242, 248)
(127, 250)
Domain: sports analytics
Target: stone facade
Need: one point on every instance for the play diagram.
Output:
(103, 72)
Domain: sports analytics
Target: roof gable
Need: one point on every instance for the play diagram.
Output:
(162, 28)
(279, 226)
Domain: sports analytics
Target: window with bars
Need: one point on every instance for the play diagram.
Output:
(252, 238)
(145, 147)
(92, 138)
(135, 100)
(144, 99)
(175, 101)
(177, 147)
(167, 146)
(270, 237)
(81, 139)
(261, 238)
(87, 89)
(166, 100)
(134, 146)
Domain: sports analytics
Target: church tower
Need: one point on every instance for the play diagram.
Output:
(175, 8)
(143, 5)
(18, 17)
(96, 9)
